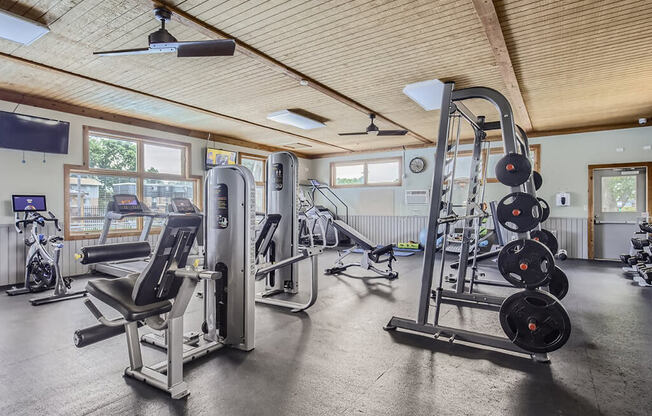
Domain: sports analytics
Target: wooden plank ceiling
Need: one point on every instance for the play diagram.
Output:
(566, 56)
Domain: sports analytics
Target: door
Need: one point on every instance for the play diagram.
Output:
(619, 199)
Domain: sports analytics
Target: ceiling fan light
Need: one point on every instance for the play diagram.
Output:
(19, 29)
(426, 93)
(293, 119)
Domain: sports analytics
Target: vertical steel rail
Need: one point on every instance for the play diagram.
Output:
(449, 211)
(435, 206)
(471, 203)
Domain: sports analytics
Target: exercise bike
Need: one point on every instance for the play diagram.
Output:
(42, 270)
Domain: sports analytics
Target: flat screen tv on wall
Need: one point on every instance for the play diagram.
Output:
(37, 134)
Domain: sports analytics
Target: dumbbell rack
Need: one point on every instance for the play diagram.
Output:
(453, 112)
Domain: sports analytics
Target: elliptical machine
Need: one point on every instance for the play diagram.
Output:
(41, 265)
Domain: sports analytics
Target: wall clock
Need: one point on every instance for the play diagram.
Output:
(417, 165)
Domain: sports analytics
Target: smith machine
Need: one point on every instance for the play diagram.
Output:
(533, 319)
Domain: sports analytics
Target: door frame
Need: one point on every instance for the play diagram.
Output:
(648, 165)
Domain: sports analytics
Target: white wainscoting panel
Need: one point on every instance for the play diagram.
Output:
(13, 250)
(572, 234)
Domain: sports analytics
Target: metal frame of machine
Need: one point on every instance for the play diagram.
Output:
(441, 213)
(280, 268)
(229, 310)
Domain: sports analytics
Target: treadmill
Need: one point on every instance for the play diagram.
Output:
(124, 206)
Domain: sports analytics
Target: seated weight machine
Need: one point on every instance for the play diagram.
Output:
(159, 295)
(534, 320)
(278, 248)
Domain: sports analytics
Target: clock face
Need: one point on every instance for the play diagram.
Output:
(417, 165)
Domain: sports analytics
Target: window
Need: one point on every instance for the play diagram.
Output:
(155, 170)
(373, 172)
(256, 164)
(619, 193)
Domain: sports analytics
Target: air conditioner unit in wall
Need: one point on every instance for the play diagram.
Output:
(417, 197)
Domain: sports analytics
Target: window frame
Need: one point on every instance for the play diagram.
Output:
(139, 174)
(365, 163)
(263, 159)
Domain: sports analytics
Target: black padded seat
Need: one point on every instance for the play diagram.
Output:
(354, 235)
(117, 294)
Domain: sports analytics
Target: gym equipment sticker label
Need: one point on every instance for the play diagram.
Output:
(222, 205)
(278, 176)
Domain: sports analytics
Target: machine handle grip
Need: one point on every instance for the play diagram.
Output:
(91, 307)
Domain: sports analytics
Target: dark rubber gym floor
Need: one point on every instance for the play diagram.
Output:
(336, 359)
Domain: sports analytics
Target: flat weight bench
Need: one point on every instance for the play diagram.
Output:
(372, 256)
(163, 287)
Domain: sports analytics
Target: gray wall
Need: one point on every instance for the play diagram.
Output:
(37, 177)
(564, 166)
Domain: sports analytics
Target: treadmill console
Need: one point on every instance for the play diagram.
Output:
(126, 203)
(182, 206)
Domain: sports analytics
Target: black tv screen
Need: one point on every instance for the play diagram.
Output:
(37, 134)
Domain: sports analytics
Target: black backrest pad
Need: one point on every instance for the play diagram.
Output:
(355, 236)
(179, 232)
(270, 224)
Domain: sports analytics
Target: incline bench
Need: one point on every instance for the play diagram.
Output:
(371, 255)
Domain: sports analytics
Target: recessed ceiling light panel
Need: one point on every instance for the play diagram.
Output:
(426, 93)
(19, 29)
(293, 119)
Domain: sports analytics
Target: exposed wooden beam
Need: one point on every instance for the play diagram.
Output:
(489, 19)
(60, 71)
(41, 102)
(209, 31)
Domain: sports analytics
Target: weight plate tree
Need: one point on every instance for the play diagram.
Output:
(546, 237)
(545, 209)
(535, 321)
(526, 263)
(538, 179)
(519, 212)
(558, 284)
(513, 169)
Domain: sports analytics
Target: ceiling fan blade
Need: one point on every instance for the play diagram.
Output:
(392, 132)
(353, 134)
(219, 47)
(139, 51)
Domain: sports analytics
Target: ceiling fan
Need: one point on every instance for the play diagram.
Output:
(162, 41)
(372, 130)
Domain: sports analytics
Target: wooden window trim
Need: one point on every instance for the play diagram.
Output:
(140, 175)
(365, 163)
(262, 183)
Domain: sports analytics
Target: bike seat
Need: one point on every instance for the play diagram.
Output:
(117, 294)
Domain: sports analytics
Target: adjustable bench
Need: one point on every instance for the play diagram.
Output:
(372, 256)
(163, 287)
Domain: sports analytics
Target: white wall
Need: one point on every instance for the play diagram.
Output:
(37, 177)
(564, 167)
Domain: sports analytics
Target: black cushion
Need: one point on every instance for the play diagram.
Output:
(359, 239)
(117, 294)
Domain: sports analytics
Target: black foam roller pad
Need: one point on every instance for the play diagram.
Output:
(114, 252)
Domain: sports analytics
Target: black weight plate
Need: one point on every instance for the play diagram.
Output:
(513, 169)
(545, 209)
(547, 238)
(538, 179)
(558, 284)
(535, 321)
(519, 212)
(526, 263)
